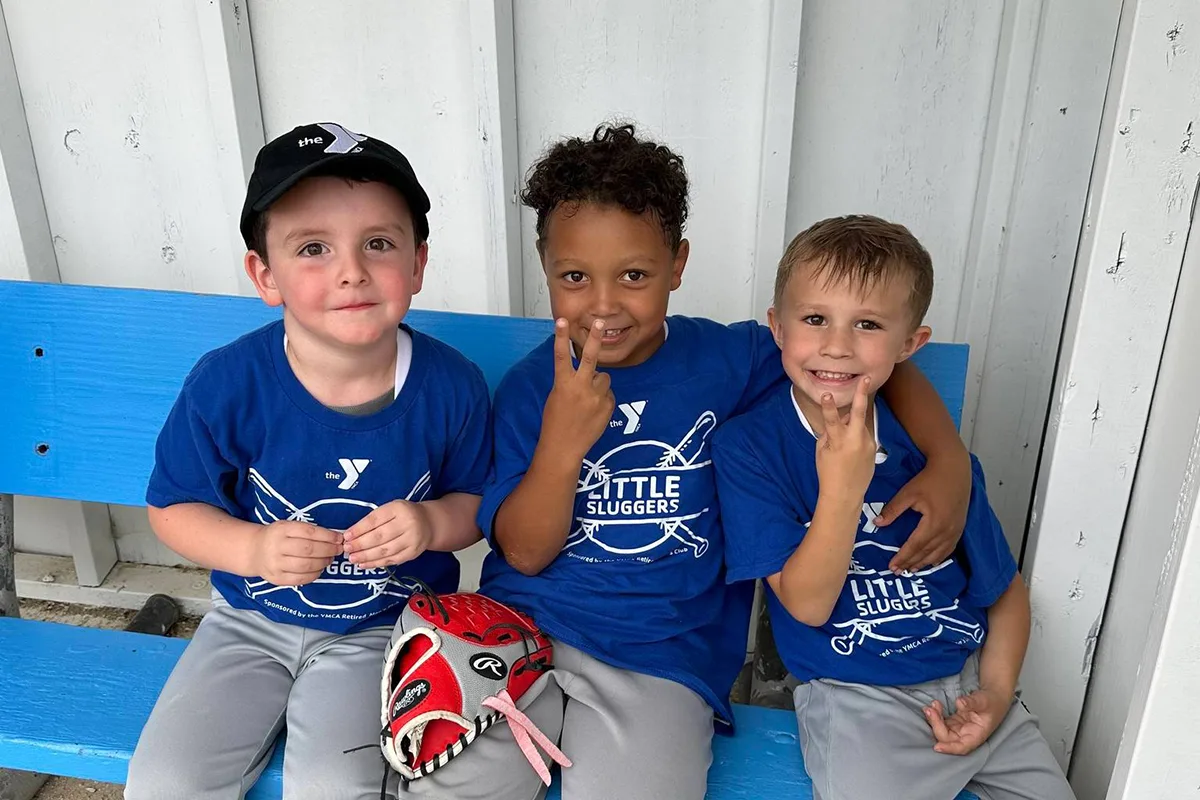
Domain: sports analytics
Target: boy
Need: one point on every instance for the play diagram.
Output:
(601, 510)
(908, 680)
(315, 465)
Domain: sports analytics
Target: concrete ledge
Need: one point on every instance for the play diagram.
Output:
(128, 585)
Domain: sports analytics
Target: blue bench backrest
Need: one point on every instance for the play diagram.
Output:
(88, 374)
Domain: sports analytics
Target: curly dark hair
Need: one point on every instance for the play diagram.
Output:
(614, 167)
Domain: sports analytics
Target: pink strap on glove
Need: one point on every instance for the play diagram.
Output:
(526, 733)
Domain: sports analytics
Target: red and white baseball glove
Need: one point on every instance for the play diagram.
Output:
(456, 665)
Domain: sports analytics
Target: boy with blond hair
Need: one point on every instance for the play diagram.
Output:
(907, 680)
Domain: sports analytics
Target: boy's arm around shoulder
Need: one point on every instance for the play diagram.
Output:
(941, 492)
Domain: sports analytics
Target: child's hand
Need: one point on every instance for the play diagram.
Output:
(846, 450)
(581, 403)
(976, 718)
(394, 533)
(290, 553)
(941, 494)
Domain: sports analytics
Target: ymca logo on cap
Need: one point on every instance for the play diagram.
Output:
(344, 141)
(317, 148)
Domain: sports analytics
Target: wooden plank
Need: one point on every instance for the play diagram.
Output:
(1003, 139)
(495, 75)
(97, 430)
(892, 108)
(1157, 757)
(405, 72)
(1144, 184)
(775, 154)
(27, 253)
(1047, 98)
(689, 75)
(1155, 528)
(237, 128)
(26, 250)
(113, 360)
(118, 107)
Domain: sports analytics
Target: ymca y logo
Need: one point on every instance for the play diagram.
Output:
(353, 469)
(633, 415)
(344, 141)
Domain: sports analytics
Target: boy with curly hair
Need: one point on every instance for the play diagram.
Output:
(601, 508)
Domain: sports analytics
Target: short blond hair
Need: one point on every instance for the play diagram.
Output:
(862, 250)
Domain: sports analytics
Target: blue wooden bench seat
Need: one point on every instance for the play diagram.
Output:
(88, 375)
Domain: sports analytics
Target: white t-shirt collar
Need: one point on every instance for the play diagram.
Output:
(403, 357)
(880, 451)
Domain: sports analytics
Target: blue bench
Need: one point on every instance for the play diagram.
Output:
(88, 375)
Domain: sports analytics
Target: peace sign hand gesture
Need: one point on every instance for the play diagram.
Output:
(581, 403)
(846, 450)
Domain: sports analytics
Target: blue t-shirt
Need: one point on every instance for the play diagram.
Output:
(884, 629)
(245, 436)
(640, 583)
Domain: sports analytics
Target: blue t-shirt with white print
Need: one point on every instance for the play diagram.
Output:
(640, 582)
(245, 436)
(885, 629)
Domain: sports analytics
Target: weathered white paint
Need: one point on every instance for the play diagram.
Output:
(26, 252)
(1026, 230)
(495, 74)
(1150, 541)
(775, 153)
(117, 103)
(1143, 185)
(690, 75)
(224, 28)
(891, 113)
(1157, 757)
(403, 72)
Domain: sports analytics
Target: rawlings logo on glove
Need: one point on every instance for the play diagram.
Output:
(456, 665)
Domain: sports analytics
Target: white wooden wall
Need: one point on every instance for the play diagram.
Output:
(1144, 186)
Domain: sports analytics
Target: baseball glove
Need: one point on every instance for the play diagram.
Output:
(456, 665)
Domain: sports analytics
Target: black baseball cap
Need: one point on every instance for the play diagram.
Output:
(311, 149)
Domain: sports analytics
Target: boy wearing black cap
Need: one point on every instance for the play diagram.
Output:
(302, 464)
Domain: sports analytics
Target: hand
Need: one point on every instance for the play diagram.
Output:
(290, 553)
(846, 450)
(581, 403)
(975, 719)
(394, 533)
(941, 494)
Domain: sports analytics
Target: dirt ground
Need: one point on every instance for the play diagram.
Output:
(66, 788)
